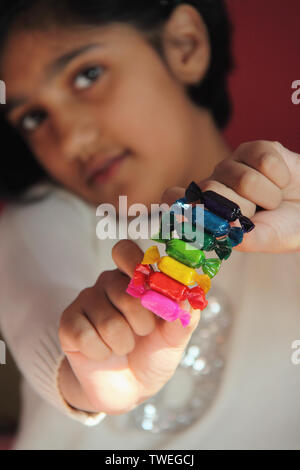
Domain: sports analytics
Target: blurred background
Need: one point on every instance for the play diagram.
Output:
(265, 45)
(266, 50)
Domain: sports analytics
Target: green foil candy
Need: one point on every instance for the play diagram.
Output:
(223, 248)
(187, 232)
(158, 238)
(211, 266)
(185, 253)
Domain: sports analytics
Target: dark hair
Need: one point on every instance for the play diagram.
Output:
(148, 16)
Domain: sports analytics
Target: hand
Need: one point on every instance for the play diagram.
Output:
(261, 174)
(120, 353)
(268, 175)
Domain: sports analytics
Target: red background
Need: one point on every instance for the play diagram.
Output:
(266, 47)
(266, 40)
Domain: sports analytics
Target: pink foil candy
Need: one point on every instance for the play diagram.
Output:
(164, 307)
(134, 290)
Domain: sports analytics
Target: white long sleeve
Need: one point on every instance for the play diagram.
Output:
(47, 256)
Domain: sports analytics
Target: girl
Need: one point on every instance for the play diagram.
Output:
(128, 98)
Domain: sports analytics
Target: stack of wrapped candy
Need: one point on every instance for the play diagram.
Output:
(188, 230)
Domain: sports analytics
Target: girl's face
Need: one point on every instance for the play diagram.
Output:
(100, 111)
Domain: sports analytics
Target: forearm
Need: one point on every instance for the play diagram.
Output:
(71, 389)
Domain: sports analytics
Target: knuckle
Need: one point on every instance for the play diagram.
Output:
(261, 147)
(248, 209)
(142, 321)
(208, 185)
(102, 279)
(106, 352)
(247, 182)
(125, 343)
(129, 345)
(65, 326)
(105, 278)
(267, 162)
(85, 294)
(256, 146)
(83, 338)
(88, 298)
(131, 306)
(147, 327)
(127, 302)
(243, 147)
(118, 334)
(220, 168)
(112, 326)
(277, 144)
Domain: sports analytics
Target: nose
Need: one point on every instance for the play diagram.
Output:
(76, 135)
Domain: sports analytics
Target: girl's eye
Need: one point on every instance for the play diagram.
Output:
(84, 79)
(30, 122)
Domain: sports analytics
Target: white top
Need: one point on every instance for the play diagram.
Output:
(49, 252)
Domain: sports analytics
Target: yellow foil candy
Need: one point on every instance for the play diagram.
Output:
(151, 256)
(204, 281)
(178, 271)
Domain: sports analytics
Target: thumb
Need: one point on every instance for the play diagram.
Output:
(275, 231)
(175, 334)
(262, 239)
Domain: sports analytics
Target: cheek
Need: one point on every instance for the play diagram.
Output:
(150, 120)
(54, 166)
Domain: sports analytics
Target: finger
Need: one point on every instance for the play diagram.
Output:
(249, 183)
(141, 320)
(126, 255)
(172, 194)
(292, 159)
(77, 334)
(273, 233)
(109, 323)
(262, 239)
(248, 208)
(173, 332)
(266, 158)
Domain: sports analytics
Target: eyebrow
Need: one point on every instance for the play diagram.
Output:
(52, 70)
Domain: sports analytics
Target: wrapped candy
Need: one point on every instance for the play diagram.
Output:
(169, 287)
(164, 307)
(211, 222)
(163, 295)
(219, 205)
(165, 285)
(199, 230)
(192, 257)
(189, 234)
(184, 274)
(188, 220)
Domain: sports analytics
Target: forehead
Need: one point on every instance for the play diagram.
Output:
(27, 53)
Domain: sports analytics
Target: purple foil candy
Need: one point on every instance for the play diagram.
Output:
(219, 205)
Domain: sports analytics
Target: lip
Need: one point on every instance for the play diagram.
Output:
(103, 168)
